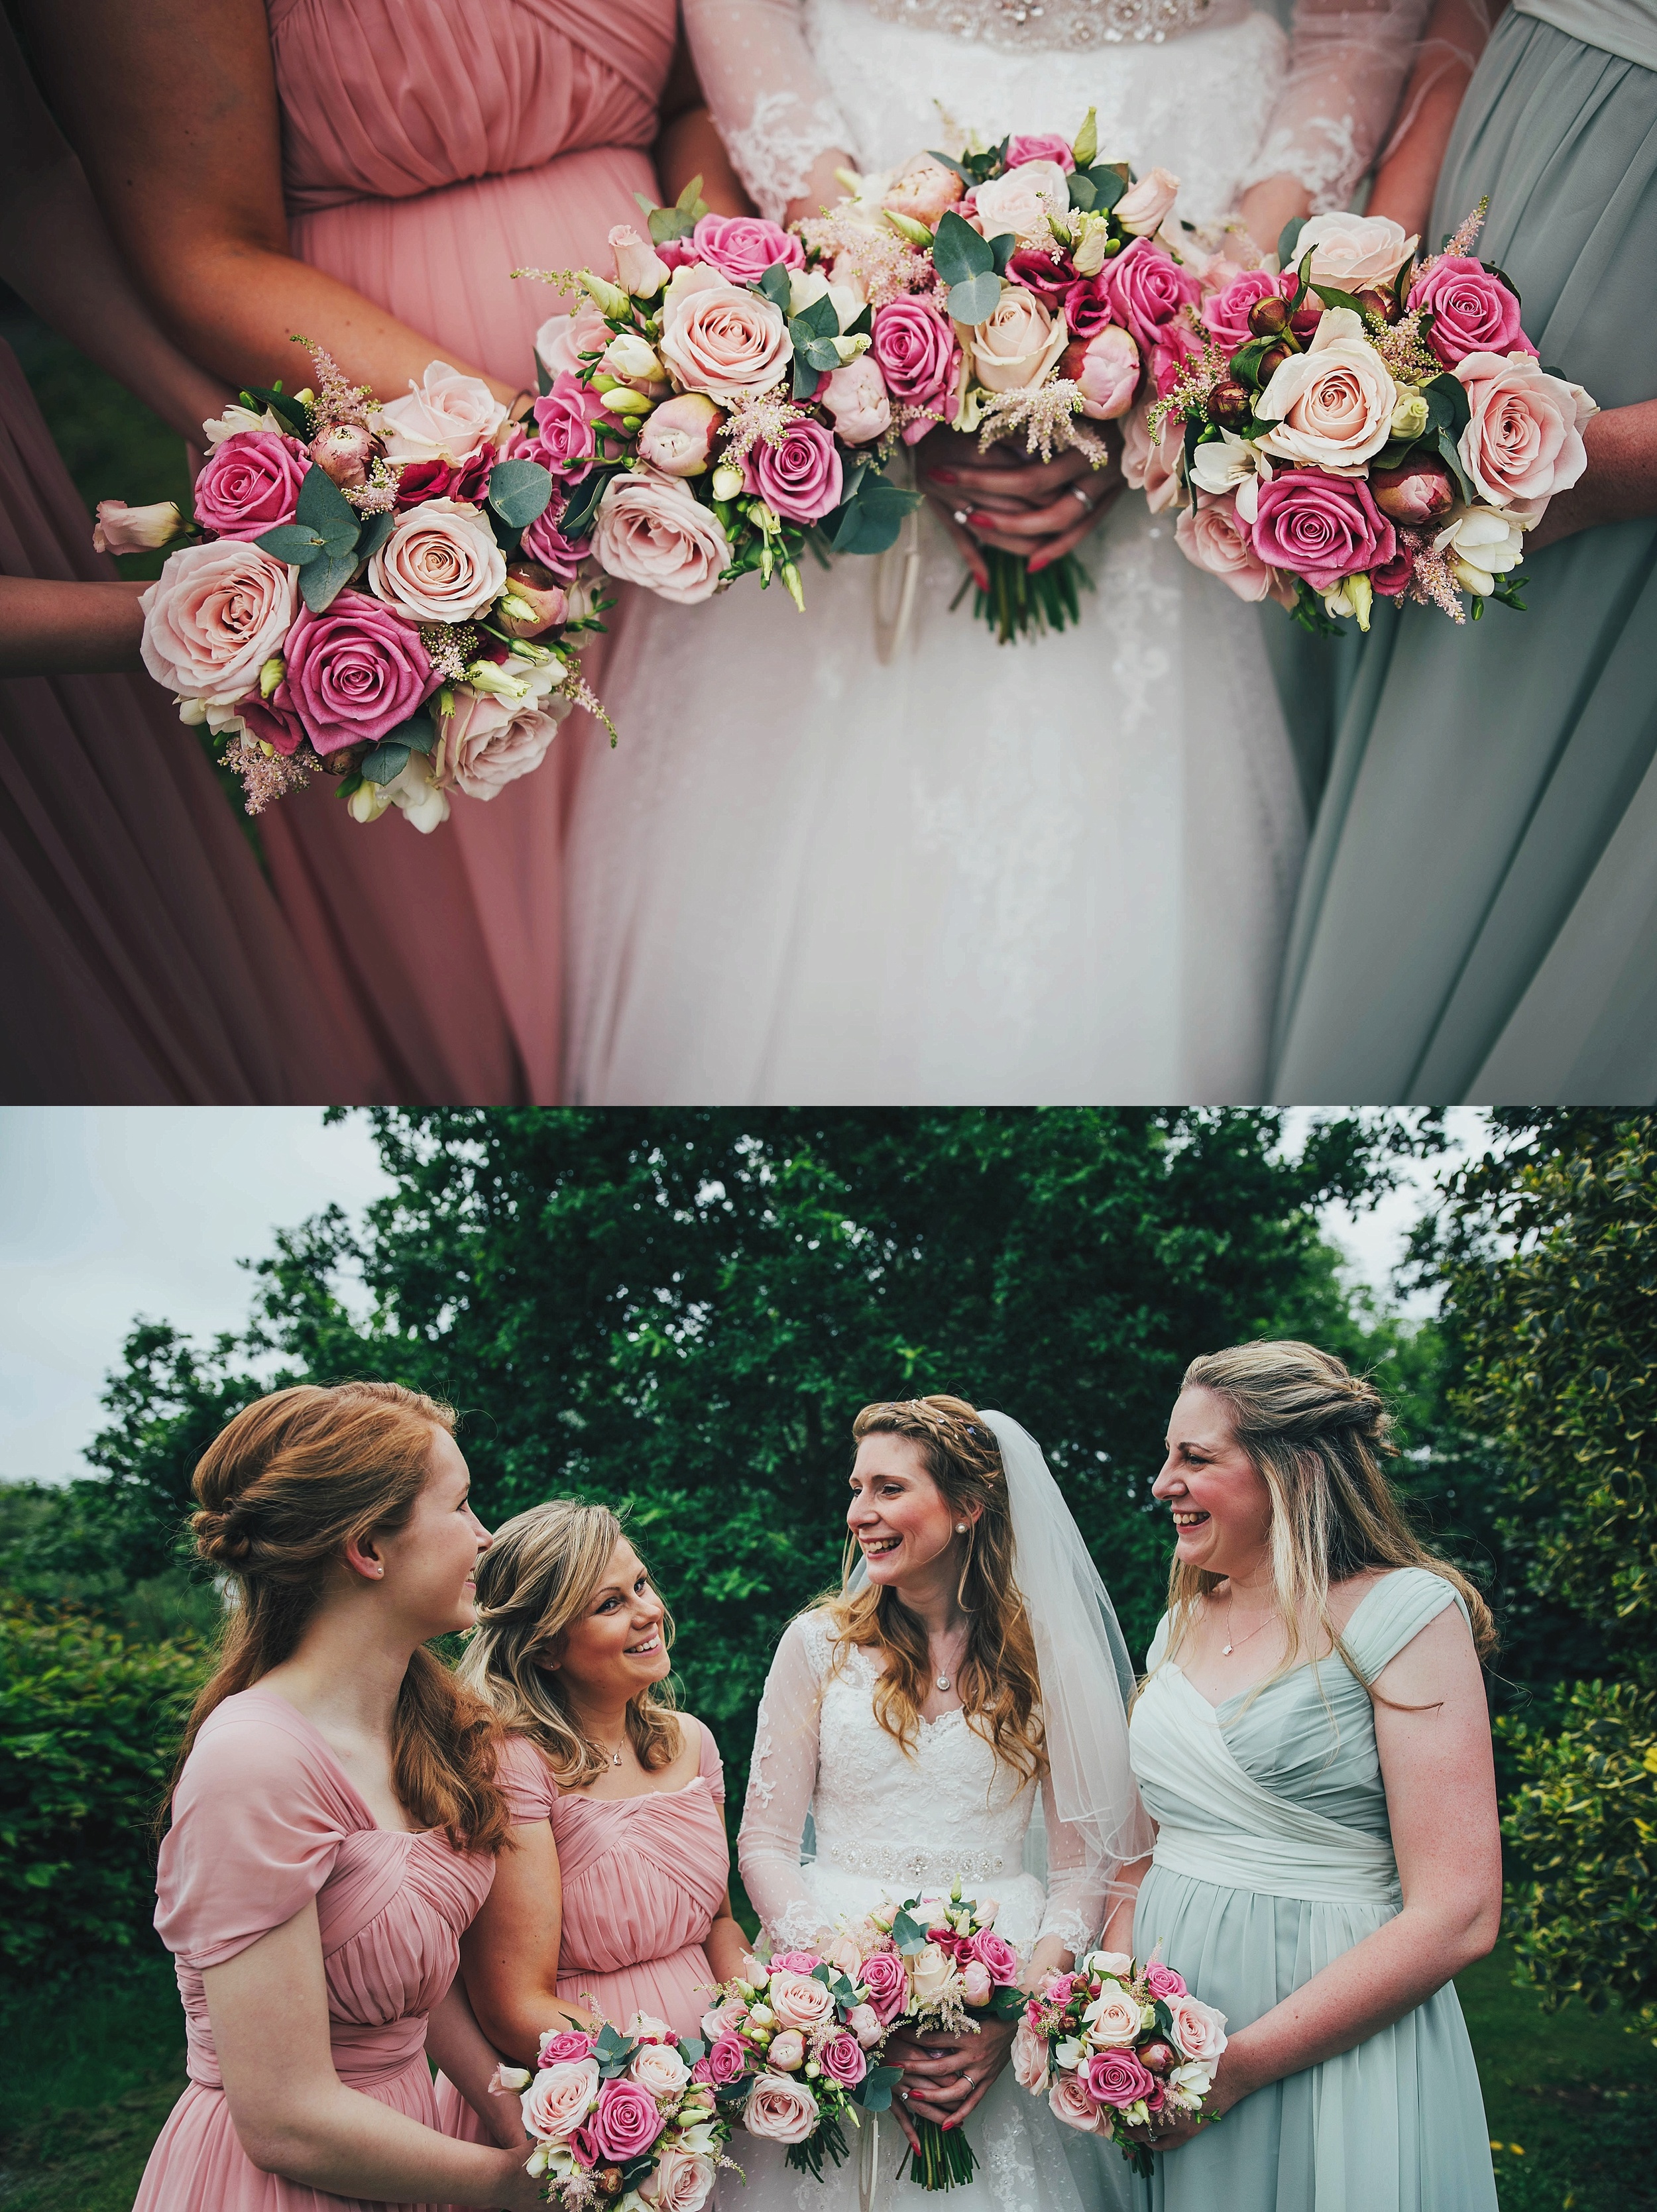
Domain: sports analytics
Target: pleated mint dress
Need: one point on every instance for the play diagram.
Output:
(1477, 917)
(1273, 1857)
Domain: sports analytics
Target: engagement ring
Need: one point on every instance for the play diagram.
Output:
(960, 516)
(1076, 492)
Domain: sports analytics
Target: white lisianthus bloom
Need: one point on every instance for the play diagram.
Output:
(1189, 2084)
(236, 419)
(1219, 466)
(1068, 2054)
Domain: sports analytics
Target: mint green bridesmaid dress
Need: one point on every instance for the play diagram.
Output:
(1477, 916)
(1273, 1857)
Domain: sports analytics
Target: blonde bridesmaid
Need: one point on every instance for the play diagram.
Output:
(333, 1824)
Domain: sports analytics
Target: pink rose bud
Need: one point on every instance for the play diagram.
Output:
(865, 2024)
(534, 600)
(678, 438)
(1106, 366)
(976, 1985)
(124, 529)
(640, 269)
(1421, 491)
(346, 452)
(1142, 207)
(787, 2051)
(856, 397)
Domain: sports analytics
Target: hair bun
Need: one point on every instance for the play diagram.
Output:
(219, 1540)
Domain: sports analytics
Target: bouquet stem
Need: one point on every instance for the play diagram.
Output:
(942, 2160)
(1018, 603)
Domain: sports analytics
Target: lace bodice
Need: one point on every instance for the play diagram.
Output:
(778, 112)
(892, 1821)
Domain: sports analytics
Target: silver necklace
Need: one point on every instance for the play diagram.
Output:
(1228, 1647)
(943, 1678)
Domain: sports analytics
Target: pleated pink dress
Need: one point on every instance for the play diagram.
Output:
(642, 1879)
(265, 1817)
(146, 961)
(428, 151)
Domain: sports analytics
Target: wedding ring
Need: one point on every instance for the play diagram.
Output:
(960, 516)
(1076, 492)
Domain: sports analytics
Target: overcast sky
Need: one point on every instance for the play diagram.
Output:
(110, 1212)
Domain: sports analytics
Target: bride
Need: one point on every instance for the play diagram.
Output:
(975, 873)
(971, 1666)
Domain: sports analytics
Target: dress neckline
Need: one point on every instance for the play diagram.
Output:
(642, 1797)
(1270, 1682)
(332, 1757)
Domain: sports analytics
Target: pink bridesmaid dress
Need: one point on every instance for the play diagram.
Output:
(428, 151)
(265, 1817)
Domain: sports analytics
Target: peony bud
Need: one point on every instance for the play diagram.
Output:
(608, 2178)
(1268, 318)
(1231, 403)
(1382, 306)
(1271, 361)
(1157, 2057)
(976, 1986)
(1422, 490)
(1305, 324)
(124, 529)
(639, 269)
(787, 2051)
(346, 452)
(534, 600)
(678, 438)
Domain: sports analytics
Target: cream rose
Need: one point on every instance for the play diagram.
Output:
(1067, 2100)
(446, 416)
(932, 1974)
(1114, 2019)
(1209, 535)
(1354, 250)
(681, 2183)
(840, 1951)
(1023, 201)
(441, 564)
(659, 2069)
(779, 2109)
(1523, 440)
(1197, 2028)
(651, 530)
(1021, 342)
(1333, 404)
(560, 2098)
(718, 338)
(564, 342)
(1030, 2066)
(1114, 1963)
(213, 616)
(798, 2001)
(1143, 207)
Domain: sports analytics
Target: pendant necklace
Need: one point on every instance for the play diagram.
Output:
(1227, 1647)
(943, 1677)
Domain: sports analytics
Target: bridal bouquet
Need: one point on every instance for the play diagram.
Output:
(381, 593)
(621, 2119)
(1365, 422)
(795, 2042)
(959, 1971)
(1115, 2044)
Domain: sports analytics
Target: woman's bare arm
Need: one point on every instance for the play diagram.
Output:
(172, 109)
(48, 628)
(1621, 483)
(509, 1954)
(456, 2043)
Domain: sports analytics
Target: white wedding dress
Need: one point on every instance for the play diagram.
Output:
(887, 1827)
(995, 874)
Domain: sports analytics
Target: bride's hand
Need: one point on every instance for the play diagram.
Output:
(945, 2075)
(1041, 508)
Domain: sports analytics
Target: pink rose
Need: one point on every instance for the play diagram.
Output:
(355, 671)
(794, 1962)
(977, 1987)
(446, 414)
(658, 2067)
(1030, 2066)
(1320, 527)
(998, 1954)
(564, 417)
(564, 2046)
(273, 721)
(1116, 2077)
(683, 2182)
(779, 2109)
(725, 2061)
(744, 247)
(1197, 2028)
(797, 2000)
(651, 530)
(559, 2099)
(213, 616)
(915, 349)
(544, 542)
(1154, 469)
(799, 479)
(923, 190)
(564, 342)
(1162, 1981)
(1041, 146)
(440, 564)
(720, 339)
(626, 2120)
(841, 2058)
(1473, 311)
(1106, 366)
(250, 483)
(865, 2024)
(1148, 288)
(1023, 201)
(678, 437)
(1147, 204)
(1227, 312)
(787, 2052)
(1524, 437)
(723, 2020)
(124, 529)
(1069, 2100)
(1039, 272)
(856, 397)
(885, 1985)
(640, 269)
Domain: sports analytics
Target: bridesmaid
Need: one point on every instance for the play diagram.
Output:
(614, 1898)
(370, 173)
(1318, 1762)
(1480, 879)
(334, 1818)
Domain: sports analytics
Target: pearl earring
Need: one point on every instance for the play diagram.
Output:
(961, 1528)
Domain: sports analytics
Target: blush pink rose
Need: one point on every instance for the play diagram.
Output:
(885, 1985)
(250, 483)
(683, 2182)
(915, 349)
(564, 342)
(865, 2024)
(559, 2099)
(1148, 288)
(1154, 469)
(794, 1962)
(799, 479)
(977, 1987)
(440, 564)
(720, 339)
(1030, 2067)
(1023, 201)
(566, 442)
(446, 414)
(355, 671)
(563, 2046)
(797, 2000)
(1162, 1981)
(626, 2120)
(1198, 2028)
(1354, 250)
(841, 1951)
(725, 2061)
(213, 616)
(744, 247)
(1116, 2077)
(998, 1954)
(723, 2020)
(658, 2067)
(1039, 146)
(779, 2109)
(856, 398)
(1320, 527)
(1227, 312)
(640, 269)
(787, 2053)
(1147, 204)
(1069, 2100)
(1106, 366)
(544, 542)
(841, 2058)
(1473, 311)
(678, 437)
(1017, 346)
(1523, 439)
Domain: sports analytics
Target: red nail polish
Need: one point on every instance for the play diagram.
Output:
(942, 476)
(981, 521)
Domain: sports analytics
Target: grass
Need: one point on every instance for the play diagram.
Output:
(91, 2078)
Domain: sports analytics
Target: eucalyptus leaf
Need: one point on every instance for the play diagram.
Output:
(669, 224)
(1109, 183)
(519, 491)
(805, 377)
(290, 542)
(862, 324)
(948, 162)
(419, 734)
(1447, 404)
(582, 503)
(385, 762)
(325, 508)
(376, 529)
(689, 200)
(322, 580)
(1287, 239)
(977, 300)
(1003, 245)
(1450, 454)
(1082, 190)
(543, 378)
(775, 285)
(958, 253)
(819, 320)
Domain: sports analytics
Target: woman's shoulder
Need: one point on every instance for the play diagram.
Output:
(709, 1765)
(1388, 1608)
(810, 1639)
(529, 1785)
(257, 1741)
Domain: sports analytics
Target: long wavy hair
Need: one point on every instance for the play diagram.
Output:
(997, 1677)
(539, 1575)
(284, 1488)
(1318, 1434)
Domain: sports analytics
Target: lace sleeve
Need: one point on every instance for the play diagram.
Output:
(1077, 1889)
(772, 108)
(1348, 61)
(781, 1781)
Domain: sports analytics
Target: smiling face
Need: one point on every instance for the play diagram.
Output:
(431, 1562)
(1220, 1500)
(617, 1645)
(901, 1520)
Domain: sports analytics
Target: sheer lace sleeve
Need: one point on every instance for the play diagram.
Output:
(1348, 62)
(781, 1783)
(1078, 1895)
(772, 108)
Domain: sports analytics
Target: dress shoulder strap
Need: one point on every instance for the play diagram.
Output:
(1157, 1651)
(1395, 1610)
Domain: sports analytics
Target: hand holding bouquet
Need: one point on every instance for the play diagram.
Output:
(1113, 2045)
(620, 2119)
(381, 594)
(959, 1973)
(1367, 422)
(794, 2046)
